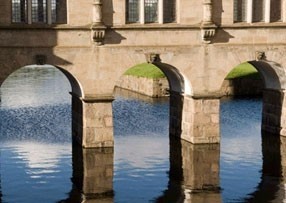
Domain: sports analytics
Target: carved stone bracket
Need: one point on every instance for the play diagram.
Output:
(152, 57)
(260, 56)
(98, 34)
(208, 32)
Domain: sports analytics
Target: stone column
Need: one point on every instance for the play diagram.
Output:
(92, 121)
(97, 12)
(207, 6)
(92, 174)
(200, 120)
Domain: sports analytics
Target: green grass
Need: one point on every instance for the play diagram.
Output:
(242, 71)
(145, 70)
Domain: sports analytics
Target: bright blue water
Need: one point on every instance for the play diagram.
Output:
(36, 152)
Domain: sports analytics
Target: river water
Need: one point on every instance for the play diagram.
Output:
(37, 162)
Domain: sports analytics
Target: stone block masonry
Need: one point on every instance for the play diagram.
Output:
(153, 87)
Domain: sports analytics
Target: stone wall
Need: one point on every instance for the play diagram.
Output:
(272, 111)
(148, 86)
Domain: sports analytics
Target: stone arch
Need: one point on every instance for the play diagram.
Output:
(273, 76)
(75, 84)
(179, 86)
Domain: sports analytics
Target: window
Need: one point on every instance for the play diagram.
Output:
(257, 11)
(39, 11)
(19, 8)
(239, 10)
(133, 11)
(150, 11)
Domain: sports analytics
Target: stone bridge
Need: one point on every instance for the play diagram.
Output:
(196, 43)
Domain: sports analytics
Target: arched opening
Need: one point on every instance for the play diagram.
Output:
(247, 120)
(36, 141)
(141, 133)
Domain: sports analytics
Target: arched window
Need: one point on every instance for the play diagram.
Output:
(150, 11)
(39, 11)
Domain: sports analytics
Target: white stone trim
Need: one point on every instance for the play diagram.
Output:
(160, 11)
(267, 11)
(249, 13)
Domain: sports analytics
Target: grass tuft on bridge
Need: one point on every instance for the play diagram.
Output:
(242, 71)
(145, 70)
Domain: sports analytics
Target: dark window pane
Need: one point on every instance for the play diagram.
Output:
(132, 11)
(258, 10)
(239, 10)
(275, 14)
(151, 11)
(169, 11)
(39, 11)
(19, 11)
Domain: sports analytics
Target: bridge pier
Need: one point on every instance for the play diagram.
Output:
(92, 122)
(274, 112)
(200, 120)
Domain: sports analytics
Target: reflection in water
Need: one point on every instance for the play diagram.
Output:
(39, 164)
(92, 175)
(194, 173)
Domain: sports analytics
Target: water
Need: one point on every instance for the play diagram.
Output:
(39, 164)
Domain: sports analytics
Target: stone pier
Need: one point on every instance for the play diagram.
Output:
(273, 114)
(200, 120)
(92, 122)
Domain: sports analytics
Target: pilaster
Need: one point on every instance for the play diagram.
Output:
(208, 28)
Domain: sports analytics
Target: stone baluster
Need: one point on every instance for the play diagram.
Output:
(98, 27)
(208, 28)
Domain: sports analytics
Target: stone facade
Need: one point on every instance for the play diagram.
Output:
(96, 46)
